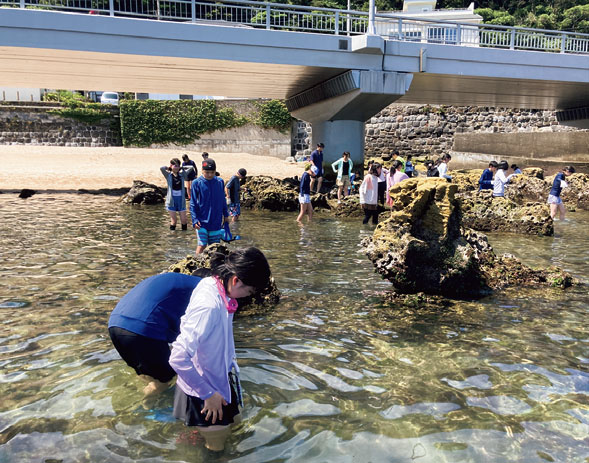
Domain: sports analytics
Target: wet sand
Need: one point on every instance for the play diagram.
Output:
(56, 168)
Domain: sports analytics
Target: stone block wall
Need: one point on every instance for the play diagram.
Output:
(430, 130)
(35, 124)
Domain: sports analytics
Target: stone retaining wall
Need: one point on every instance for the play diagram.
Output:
(35, 124)
(431, 130)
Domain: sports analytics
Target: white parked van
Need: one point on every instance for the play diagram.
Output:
(109, 98)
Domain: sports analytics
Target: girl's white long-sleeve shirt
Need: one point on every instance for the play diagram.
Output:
(499, 183)
(369, 190)
(204, 351)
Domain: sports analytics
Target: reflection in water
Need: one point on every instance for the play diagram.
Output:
(333, 374)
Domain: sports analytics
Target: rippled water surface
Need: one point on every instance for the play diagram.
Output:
(334, 374)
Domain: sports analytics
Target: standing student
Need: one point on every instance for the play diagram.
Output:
(432, 169)
(409, 169)
(397, 157)
(382, 174)
(500, 179)
(443, 167)
(146, 320)
(556, 204)
(305, 193)
(187, 162)
(317, 160)
(208, 207)
(486, 180)
(369, 195)
(232, 193)
(397, 176)
(343, 168)
(176, 195)
(207, 389)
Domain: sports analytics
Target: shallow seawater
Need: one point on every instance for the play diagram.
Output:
(334, 374)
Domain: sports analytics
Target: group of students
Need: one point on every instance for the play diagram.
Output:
(211, 202)
(194, 314)
(494, 178)
(377, 183)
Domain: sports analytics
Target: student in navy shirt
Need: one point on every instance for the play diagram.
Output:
(146, 320)
(305, 193)
(232, 193)
(486, 180)
(558, 184)
(317, 160)
(191, 175)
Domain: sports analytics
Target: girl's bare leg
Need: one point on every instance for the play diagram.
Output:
(309, 211)
(301, 214)
(173, 218)
(562, 211)
(183, 217)
(215, 436)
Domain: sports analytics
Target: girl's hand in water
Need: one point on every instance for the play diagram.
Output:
(213, 408)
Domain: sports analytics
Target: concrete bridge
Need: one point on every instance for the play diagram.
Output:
(334, 81)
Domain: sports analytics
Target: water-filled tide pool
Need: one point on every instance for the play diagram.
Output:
(334, 374)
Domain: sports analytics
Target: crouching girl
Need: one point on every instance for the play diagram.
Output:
(207, 389)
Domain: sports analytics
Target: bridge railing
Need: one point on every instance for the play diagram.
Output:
(246, 13)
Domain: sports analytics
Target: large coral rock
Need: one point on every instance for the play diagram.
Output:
(144, 193)
(200, 265)
(525, 188)
(482, 212)
(467, 180)
(422, 247)
(263, 192)
(349, 207)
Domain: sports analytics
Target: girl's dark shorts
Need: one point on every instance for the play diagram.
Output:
(147, 356)
(189, 409)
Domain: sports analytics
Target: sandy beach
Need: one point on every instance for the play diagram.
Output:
(56, 168)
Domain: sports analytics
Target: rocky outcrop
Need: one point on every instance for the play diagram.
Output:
(263, 192)
(200, 265)
(525, 188)
(482, 212)
(144, 193)
(423, 247)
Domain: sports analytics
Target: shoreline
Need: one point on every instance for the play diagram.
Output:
(108, 170)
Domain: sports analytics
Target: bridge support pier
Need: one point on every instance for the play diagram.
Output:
(339, 107)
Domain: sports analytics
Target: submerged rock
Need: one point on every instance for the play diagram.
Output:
(482, 212)
(26, 193)
(423, 248)
(200, 265)
(263, 192)
(144, 193)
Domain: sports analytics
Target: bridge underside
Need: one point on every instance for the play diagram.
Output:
(67, 69)
(50, 68)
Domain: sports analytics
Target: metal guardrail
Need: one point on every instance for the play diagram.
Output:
(323, 20)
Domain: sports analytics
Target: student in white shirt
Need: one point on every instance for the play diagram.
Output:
(203, 355)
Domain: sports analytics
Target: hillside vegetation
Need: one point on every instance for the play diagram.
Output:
(564, 15)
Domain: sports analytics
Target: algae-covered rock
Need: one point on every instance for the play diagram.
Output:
(467, 180)
(423, 248)
(263, 192)
(482, 212)
(525, 188)
(200, 265)
(144, 193)
(535, 172)
(349, 207)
